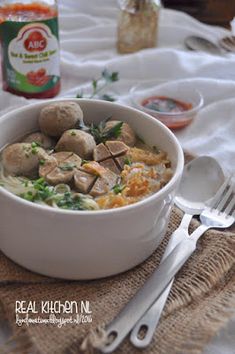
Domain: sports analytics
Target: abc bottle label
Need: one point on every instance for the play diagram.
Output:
(30, 55)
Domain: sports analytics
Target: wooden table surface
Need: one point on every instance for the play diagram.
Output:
(216, 12)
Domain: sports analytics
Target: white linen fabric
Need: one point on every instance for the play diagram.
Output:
(88, 36)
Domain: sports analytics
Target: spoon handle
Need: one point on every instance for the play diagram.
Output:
(180, 234)
(119, 328)
(149, 321)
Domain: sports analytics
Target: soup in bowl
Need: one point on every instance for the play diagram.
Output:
(88, 186)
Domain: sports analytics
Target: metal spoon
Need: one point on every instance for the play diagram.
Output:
(201, 180)
(202, 44)
(135, 309)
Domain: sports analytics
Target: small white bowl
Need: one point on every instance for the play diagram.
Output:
(181, 90)
(87, 244)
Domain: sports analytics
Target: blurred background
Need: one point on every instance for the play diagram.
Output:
(216, 12)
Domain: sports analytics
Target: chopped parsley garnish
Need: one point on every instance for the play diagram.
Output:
(84, 161)
(28, 196)
(38, 183)
(34, 147)
(67, 166)
(70, 202)
(41, 191)
(42, 162)
(118, 188)
(27, 150)
(25, 183)
(35, 144)
(44, 191)
(127, 161)
(73, 133)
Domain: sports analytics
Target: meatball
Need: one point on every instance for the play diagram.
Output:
(58, 117)
(77, 141)
(127, 134)
(41, 139)
(21, 159)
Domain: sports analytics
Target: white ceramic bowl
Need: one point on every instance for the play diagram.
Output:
(86, 244)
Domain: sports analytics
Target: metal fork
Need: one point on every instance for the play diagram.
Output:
(219, 215)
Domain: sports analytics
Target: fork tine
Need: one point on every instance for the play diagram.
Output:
(219, 194)
(225, 199)
(231, 205)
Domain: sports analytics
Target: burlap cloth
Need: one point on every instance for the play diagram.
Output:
(201, 301)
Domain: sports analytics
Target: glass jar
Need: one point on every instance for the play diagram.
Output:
(30, 48)
(137, 25)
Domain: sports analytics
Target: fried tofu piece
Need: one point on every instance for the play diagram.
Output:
(111, 165)
(101, 153)
(104, 184)
(116, 147)
(83, 181)
(106, 153)
(121, 161)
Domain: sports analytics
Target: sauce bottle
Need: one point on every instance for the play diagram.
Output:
(30, 48)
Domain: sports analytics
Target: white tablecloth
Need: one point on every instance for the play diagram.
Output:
(88, 34)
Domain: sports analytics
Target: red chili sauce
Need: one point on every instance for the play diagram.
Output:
(163, 104)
